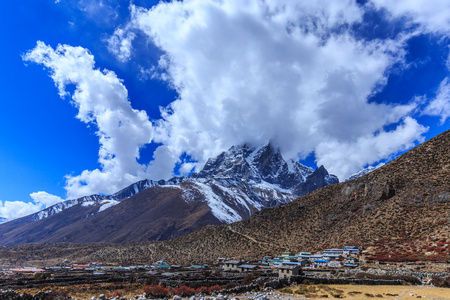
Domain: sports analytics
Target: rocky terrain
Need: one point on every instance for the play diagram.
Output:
(230, 187)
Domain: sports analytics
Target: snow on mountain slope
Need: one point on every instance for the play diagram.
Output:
(219, 208)
(233, 184)
(58, 207)
(107, 204)
(3, 220)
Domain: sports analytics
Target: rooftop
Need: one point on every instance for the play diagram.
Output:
(247, 266)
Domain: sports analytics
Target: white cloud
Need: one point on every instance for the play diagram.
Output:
(432, 16)
(99, 11)
(440, 105)
(345, 157)
(45, 198)
(186, 168)
(101, 99)
(120, 44)
(282, 70)
(15, 209)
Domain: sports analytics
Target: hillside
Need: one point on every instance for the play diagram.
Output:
(160, 207)
(400, 211)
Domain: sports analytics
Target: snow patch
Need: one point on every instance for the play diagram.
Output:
(189, 195)
(88, 203)
(175, 186)
(107, 204)
(266, 185)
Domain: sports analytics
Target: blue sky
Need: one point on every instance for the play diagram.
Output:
(144, 89)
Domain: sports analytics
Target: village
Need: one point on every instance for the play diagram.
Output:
(285, 265)
(339, 263)
(290, 264)
(227, 276)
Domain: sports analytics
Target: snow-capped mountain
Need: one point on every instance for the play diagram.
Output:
(229, 188)
(3, 220)
(255, 166)
(364, 172)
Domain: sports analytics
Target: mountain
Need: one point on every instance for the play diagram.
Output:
(364, 171)
(400, 212)
(230, 188)
(256, 166)
(3, 220)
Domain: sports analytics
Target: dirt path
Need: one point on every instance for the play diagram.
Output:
(248, 237)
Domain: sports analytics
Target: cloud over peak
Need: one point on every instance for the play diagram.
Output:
(281, 70)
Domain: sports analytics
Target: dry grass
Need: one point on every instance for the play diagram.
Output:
(370, 292)
(86, 291)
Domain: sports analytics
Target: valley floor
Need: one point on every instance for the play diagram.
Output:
(308, 292)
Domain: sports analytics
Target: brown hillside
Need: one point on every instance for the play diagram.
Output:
(154, 214)
(398, 212)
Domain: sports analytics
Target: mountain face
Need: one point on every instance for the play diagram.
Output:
(400, 212)
(256, 166)
(231, 187)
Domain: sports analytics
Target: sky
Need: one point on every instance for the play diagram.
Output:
(96, 95)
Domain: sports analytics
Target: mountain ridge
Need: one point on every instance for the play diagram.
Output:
(231, 187)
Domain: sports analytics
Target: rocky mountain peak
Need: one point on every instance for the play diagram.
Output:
(319, 178)
(267, 163)
(257, 165)
(231, 163)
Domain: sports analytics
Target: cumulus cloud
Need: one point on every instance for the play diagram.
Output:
(15, 209)
(45, 198)
(440, 105)
(288, 71)
(343, 156)
(102, 100)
